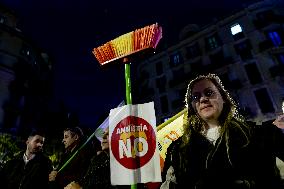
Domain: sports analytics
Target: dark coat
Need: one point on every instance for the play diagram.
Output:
(75, 169)
(201, 165)
(33, 175)
(98, 175)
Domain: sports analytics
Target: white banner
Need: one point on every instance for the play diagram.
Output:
(134, 157)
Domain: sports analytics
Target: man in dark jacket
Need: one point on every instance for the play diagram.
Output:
(28, 170)
(73, 138)
(98, 174)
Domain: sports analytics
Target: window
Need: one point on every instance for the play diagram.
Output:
(164, 104)
(253, 73)
(193, 51)
(275, 38)
(213, 42)
(176, 59)
(264, 101)
(235, 29)
(159, 68)
(244, 49)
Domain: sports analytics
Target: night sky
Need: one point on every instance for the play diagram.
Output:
(69, 30)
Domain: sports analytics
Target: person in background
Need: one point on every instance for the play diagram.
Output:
(73, 138)
(279, 122)
(98, 174)
(30, 169)
(219, 149)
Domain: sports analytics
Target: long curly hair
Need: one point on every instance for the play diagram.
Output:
(229, 116)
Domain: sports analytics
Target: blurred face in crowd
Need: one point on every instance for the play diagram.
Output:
(35, 144)
(207, 101)
(69, 139)
(105, 143)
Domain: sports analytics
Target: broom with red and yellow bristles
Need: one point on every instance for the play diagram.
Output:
(129, 44)
(125, 47)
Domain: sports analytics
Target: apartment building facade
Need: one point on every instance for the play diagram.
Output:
(246, 49)
(24, 75)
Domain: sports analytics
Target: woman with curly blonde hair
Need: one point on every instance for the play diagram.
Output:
(219, 149)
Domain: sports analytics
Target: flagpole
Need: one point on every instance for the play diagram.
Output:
(159, 127)
(128, 92)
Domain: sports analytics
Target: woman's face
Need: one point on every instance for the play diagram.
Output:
(207, 101)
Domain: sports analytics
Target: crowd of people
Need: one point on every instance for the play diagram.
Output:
(219, 149)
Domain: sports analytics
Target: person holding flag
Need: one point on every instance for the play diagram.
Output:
(98, 174)
(219, 149)
(74, 162)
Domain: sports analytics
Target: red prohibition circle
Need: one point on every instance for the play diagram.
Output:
(133, 142)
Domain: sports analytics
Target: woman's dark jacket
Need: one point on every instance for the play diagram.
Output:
(201, 165)
(33, 175)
